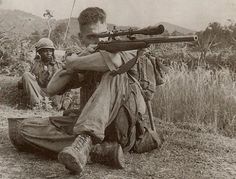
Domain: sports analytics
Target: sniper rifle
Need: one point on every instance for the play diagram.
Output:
(114, 45)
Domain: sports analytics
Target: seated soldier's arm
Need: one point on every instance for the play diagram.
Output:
(97, 61)
(63, 81)
(58, 83)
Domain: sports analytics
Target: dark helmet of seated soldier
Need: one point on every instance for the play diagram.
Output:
(45, 49)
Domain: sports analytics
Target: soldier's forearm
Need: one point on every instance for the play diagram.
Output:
(58, 82)
(92, 62)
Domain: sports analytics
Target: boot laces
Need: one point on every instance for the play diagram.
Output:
(81, 142)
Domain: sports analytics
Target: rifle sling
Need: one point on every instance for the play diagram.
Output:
(125, 67)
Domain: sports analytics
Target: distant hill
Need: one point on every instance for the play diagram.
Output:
(21, 22)
(25, 23)
(172, 28)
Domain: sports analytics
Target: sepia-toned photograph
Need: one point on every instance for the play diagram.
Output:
(117, 89)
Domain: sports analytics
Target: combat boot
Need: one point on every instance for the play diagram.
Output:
(75, 156)
(108, 153)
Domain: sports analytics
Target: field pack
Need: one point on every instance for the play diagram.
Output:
(149, 74)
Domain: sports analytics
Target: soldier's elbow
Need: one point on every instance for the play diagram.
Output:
(116, 59)
(51, 91)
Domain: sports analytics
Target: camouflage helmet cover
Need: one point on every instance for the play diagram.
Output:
(44, 43)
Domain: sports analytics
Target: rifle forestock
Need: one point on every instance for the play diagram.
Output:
(125, 45)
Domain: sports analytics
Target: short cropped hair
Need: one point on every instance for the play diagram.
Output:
(91, 15)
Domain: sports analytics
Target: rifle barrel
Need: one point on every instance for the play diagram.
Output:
(170, 39)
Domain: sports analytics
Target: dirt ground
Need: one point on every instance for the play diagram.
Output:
(188, 152)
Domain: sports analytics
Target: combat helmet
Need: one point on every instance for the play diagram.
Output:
(44, 43)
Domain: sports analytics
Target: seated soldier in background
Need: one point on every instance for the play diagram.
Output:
(34, 82)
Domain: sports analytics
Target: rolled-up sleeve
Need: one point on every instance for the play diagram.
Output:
(108, 59)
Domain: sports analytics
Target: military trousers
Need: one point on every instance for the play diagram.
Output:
(106, 116)
(36, 94)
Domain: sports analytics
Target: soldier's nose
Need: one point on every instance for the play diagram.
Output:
(49, 52)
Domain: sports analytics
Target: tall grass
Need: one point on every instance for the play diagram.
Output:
(204, 97)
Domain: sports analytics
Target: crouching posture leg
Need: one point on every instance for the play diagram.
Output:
(98, 113)
(47, 135)
(110, 124)
(32, 89)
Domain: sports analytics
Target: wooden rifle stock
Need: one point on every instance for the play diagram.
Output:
(125, 45)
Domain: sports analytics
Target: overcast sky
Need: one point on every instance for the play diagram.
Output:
(193, 14)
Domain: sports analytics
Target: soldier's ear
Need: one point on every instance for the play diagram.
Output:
(37, 56)
(81, 38)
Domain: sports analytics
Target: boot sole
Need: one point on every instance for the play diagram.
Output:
(70, 162)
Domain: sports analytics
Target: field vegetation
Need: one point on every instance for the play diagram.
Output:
(200, 97)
